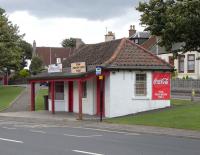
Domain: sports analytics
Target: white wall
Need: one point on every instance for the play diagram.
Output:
(122, 95)
(88, 103)
(59, 105)
(195, 75)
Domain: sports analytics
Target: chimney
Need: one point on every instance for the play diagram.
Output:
(109, 36)
(132, 30)
(79, 42)
(34, 49)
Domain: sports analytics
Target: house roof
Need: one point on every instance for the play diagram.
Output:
(120, 53)
(150, 42)
(116, 54)
(55, 52)
(143, 34)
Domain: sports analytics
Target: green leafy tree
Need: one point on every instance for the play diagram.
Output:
(175, 21)
(24, 73)
(71, 42)
(26, 53)
(10, 51)
(36, 65)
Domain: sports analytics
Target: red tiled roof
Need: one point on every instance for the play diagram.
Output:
(150, 42)
(55, 52)
(120, 53)
(116, 54)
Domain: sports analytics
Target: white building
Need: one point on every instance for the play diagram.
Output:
(186, 64)
(134, 80)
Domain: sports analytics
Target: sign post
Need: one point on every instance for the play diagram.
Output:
(100, 76)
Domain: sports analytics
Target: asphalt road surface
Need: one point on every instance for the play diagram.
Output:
(20, 138)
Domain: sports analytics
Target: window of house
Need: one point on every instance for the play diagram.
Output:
(136, 41)
(59, 90)
(85, 89)
(141, 85)
(181, 63)
(191, 63)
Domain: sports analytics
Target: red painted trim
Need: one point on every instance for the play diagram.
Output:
(70, 96)
(98, 93)
(80, 99)
(98, 96)
(87, 77)
(32, 96)
(53, 97)
(5, 80)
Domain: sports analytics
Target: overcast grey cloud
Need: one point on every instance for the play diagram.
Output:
(89, 9)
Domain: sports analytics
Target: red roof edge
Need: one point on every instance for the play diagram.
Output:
(116, 52)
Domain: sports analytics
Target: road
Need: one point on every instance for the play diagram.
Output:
(22, 138)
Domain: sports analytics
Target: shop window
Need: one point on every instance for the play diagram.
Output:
(191, 63)
(181, 63)
(141, 85)
(84, 89)
(59, 90)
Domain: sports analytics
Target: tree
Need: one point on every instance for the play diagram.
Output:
(71, 42)
(175, 21)
(36, 65)
(24, 73)
(10, 51)
(26, 53)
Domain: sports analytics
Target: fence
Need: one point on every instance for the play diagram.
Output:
(185, 85)
(17, 82)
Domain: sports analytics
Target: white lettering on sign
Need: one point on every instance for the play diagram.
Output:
(162, 81)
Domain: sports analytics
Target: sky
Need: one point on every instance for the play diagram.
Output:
(50, 21)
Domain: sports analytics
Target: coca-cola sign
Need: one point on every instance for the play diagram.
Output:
(161, 81)
(161, 86)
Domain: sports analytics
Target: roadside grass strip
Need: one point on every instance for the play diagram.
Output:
(183, 114)
(8, 94)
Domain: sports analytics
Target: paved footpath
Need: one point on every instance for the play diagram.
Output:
(66, 119)
(21, 103)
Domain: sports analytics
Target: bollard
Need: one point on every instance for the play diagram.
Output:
(192, 95)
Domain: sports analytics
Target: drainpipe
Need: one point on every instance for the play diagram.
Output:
(50, 55)
(198, 63)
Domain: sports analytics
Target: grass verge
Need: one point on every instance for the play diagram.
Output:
(183, 114)
(39, 102)
(8, 94)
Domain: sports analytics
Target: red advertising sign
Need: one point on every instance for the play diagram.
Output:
(161, 86)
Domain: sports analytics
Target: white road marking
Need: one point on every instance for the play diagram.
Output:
(11, 140)
(4, 127)
(89, 136)
(38, 131)
(85, 152)
(132, 134)
(104, 130)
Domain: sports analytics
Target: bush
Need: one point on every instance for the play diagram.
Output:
(24, 73)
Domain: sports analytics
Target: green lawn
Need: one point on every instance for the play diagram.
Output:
(7, 95)
(183, 114)
(39, 102)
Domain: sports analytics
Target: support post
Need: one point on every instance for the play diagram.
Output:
(53, 97)
(101, 100)
(32, 96)
(80, 115)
